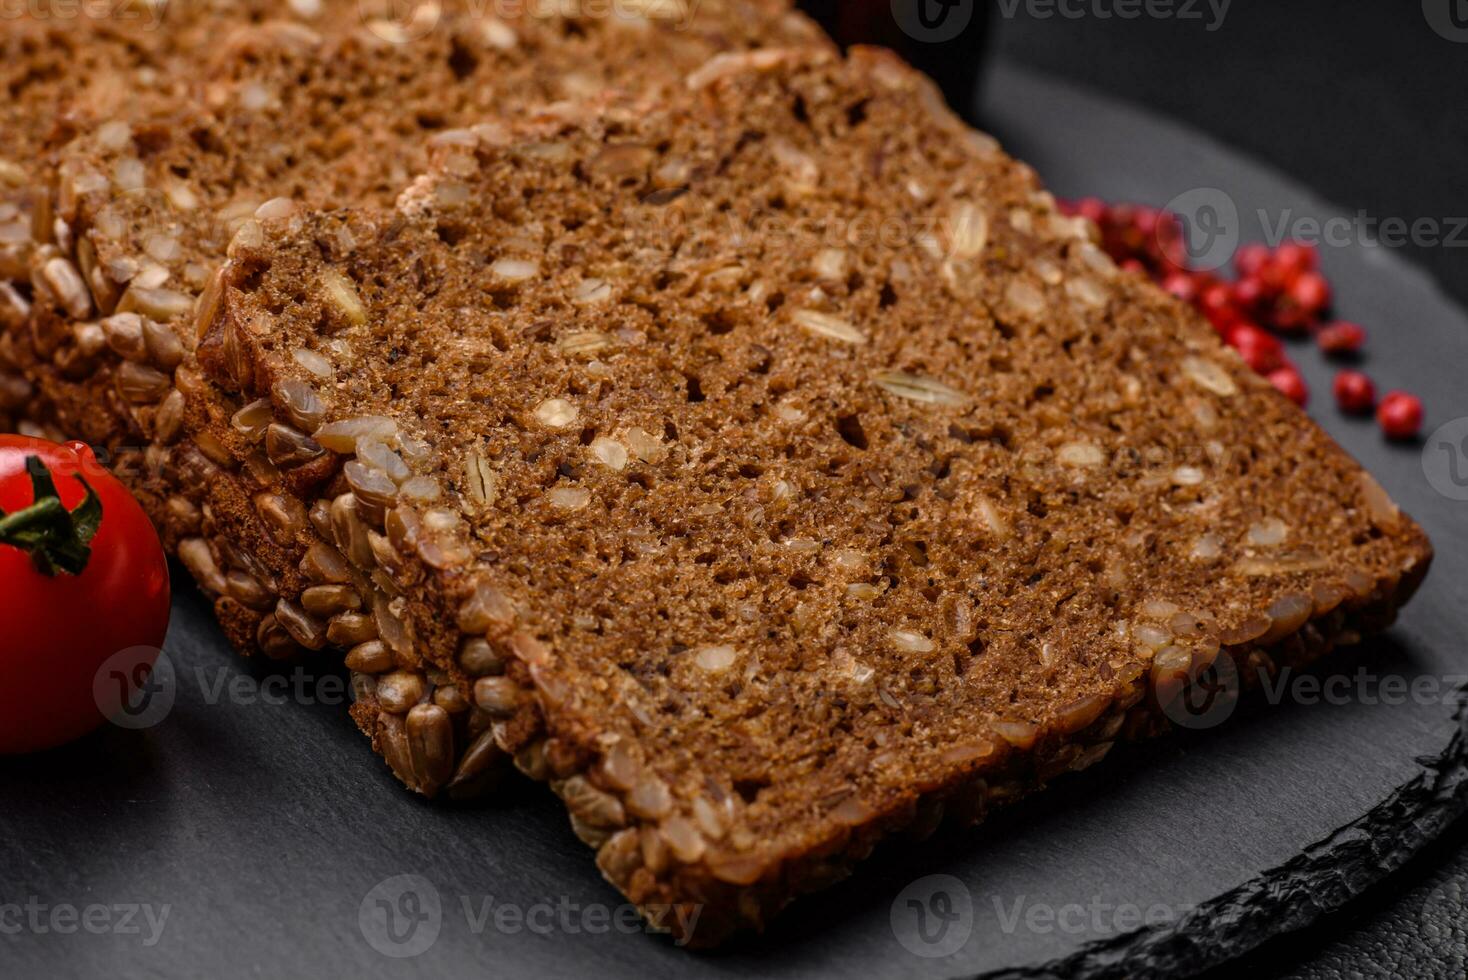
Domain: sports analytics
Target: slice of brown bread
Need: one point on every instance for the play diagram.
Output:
(777, 468)
(316, 101)
(61, 63)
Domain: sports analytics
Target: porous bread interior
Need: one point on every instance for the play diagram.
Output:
(826, 459)
(323, 111)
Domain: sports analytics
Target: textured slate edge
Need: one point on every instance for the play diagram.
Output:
(1291, 896)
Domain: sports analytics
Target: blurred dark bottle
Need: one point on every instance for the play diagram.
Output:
(945, 38)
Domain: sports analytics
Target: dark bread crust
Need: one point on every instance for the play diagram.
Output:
(778, 543)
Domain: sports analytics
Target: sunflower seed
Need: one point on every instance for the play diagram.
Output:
(352, 629)
(313, 362)
(968, 231)
(65, 283)
(140, 384)
(482, 756)
(609, 452)
(499, 696)
(326, 601)
(597, 807)
(556, 413)
(351, 533)
(1209, 376)
(480, 478)
(370, 657)
(169, 419)
(302, 404)
(341, 294)
(199, 560)
(284, 517)
(324, 563)
(288, 447)
(586, 342)
(478, 658)
(919, 389)
(343, 436)
(430, 745)
(826, 325)
(164, 348)
(155, 304)
(399, 691)
(304, 628)
(371, 485)
(252, 420)
(245, 589)
(376, 455)
(486, 606)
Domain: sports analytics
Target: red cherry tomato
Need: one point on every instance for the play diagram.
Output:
(83, 584)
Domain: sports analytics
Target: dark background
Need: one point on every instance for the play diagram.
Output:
(1367, 104)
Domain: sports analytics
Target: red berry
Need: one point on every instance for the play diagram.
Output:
(1341, 338)
(1274, 276)
(1400, 415)
(1310, 292)
(1249, 259)
(1217, 303)
(1182, 285)
(1249, 293)
(1297, 257)
(1090, 207)
(1354, 392)
(1287, 316)
(1134, 266)
(1144, 219)
(1290, 384)
(1260, 350)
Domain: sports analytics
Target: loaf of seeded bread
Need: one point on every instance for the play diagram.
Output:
(190, 127)
(770, 468)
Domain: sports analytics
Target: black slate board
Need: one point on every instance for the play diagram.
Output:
(254, 812)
